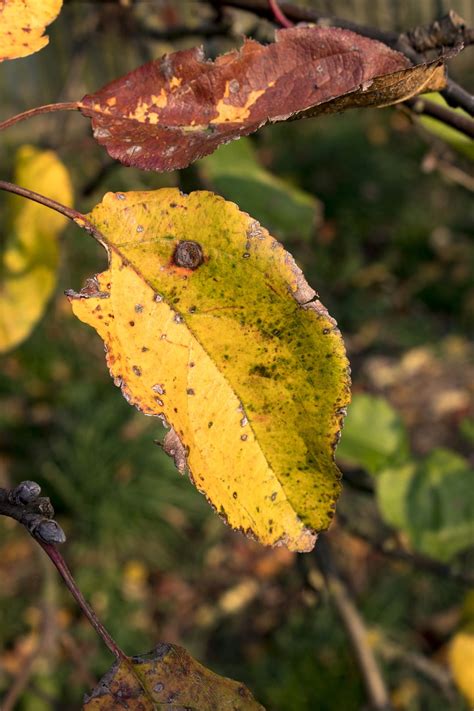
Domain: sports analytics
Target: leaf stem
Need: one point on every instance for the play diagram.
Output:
(46, 109)
(56, 558)
(68, 212)
(279, 14)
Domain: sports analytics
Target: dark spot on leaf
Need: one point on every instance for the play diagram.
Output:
(190, 391)
(260, 370)
(137, 370)
(131, 323)
(188, 254)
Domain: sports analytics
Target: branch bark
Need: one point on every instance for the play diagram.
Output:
(355, 628)
(455, 120)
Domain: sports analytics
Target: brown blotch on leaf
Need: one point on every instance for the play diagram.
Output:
(188, 254)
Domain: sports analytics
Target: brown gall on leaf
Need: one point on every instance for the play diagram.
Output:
(169, 112)
(188, 254)
(168, 677)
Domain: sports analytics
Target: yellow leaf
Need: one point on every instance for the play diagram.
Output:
(22, 24)
(461, 660)
(236, 354)
(168, 677)
(30, 258)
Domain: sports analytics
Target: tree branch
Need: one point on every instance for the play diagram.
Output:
(461, 123)
(25, 505)
(355, 628)
(35, 512)
(387, 548)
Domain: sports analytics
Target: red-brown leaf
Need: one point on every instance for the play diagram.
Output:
(169, 112)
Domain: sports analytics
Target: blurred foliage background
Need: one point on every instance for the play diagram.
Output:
(378, 211)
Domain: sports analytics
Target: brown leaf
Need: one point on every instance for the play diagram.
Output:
(169, 112)
(168, 678)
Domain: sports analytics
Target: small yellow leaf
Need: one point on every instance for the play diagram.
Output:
(22, 26)
(210, 325)
(30, 258)
(461, 660)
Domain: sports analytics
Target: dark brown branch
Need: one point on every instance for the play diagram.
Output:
(448, 31)
(176, 32)
(46, 109)
(461, 123)
(25, 505)
(355, 628)
(295, 13)
(35, 512)
(456, 96)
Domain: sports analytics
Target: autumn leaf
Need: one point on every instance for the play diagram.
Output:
(461, 661)
(168, 677)
(169, 112)
(30, 258)
(210, 325)
(22, 26)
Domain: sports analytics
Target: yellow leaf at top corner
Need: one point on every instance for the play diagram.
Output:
(30, 233)
(210, 325)
(22, 26)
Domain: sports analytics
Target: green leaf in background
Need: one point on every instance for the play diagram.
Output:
(457, 140)
(432, 501)
(373, 435)
(234, 172)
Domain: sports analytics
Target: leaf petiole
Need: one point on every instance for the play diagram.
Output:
(69, 212)
(46, 109)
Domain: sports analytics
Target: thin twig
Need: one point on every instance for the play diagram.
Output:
(46, 109)
(176, 32)
(393, 652)
(455, 95)
(453, 173)
(278, 14)
(56, 558)
(306, 14)
(461, 123)
(69, 212)
(355, 628)
(25, 505)
(388, 548)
